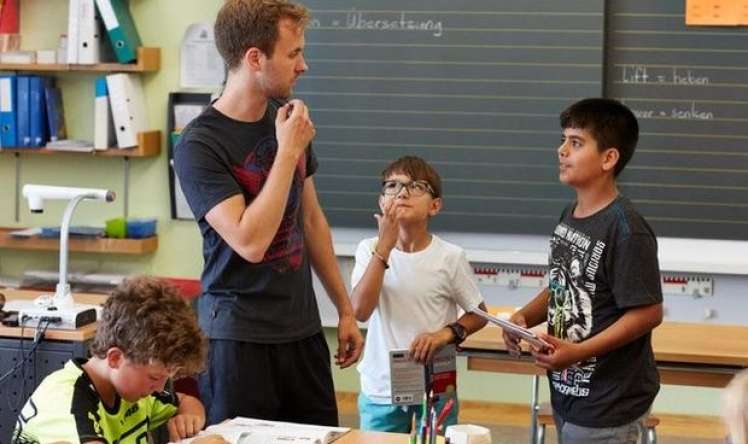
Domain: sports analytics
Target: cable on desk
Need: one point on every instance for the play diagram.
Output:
(41, 329)
(12, 402)
(35, 345)
(18, 398)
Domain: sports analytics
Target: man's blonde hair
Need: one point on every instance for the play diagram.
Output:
(147, 319)
(735, 408)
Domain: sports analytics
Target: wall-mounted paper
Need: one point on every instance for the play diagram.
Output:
(201, 66)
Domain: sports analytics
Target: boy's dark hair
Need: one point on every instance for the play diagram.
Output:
(147, 319)
(417, 169)
(610, 122)
(243, 24)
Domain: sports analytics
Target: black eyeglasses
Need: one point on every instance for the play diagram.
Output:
(415, 187)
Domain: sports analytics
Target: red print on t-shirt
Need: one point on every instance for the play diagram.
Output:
(286, 249)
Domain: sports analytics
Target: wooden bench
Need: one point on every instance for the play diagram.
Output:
(545, 418)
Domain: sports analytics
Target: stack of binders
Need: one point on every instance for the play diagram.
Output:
(89, 21)
(128, 108)
(104, 136)
(30, 111)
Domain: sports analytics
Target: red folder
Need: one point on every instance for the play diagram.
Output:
(9, 17)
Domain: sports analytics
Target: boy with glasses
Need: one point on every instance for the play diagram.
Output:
(409, 285)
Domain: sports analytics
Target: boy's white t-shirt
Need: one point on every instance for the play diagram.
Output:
(420, 293)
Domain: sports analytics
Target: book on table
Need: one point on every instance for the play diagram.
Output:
(257, 431)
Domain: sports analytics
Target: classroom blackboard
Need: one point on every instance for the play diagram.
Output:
(689, 89)
(476, 87)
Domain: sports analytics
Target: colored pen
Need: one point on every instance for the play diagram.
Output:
(422, 428)
(413, 429)
(445, 411)
(432, 426)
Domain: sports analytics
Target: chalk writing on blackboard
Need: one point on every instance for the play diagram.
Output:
(672, 75)
(379, 21)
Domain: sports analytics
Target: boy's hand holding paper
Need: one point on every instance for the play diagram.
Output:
(516, 332)
(512, 340)
(561, 354)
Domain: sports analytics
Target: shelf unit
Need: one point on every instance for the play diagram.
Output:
(149, 145)
(98, 245)
(149, 142)
(149, 60)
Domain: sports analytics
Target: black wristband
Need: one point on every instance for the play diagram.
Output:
(459, 332)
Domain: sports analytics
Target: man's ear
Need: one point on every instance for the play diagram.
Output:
(253, 58)
(610, 159)
(435, 206)
(114, 357)
(381, 203)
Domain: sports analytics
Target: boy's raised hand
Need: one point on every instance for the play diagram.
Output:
(561, 355)
(293, 129)
(388, 227)
(424, 346)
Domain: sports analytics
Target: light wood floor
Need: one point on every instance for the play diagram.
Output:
(705, 427)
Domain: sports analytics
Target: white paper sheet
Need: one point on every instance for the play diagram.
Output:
(201, 66)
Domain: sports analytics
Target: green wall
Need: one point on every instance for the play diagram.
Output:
(161, 23)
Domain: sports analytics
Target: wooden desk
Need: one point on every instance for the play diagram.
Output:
(686, 354)
(81, 334)
(359, 437)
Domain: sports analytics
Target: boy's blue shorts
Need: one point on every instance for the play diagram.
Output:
(397, 418)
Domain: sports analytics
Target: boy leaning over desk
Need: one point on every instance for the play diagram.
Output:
(409, 285)
(146, 335)
(604, 295)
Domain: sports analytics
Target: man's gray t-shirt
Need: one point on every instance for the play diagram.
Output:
(271, 301)
(601, 266)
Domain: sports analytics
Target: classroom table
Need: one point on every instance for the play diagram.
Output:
(694, 354)
(359, 437)
(81, 334)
